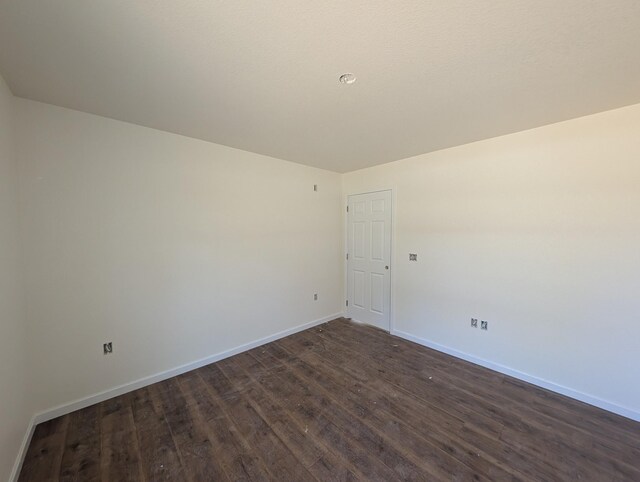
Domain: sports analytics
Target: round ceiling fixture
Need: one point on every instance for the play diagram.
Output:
(347, 78)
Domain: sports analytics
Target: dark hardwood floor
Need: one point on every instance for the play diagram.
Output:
(340, 401)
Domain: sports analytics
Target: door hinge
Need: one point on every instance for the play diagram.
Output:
(347, 256)
(347, 208)
(347, 302)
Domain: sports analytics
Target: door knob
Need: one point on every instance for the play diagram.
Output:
(386, 267)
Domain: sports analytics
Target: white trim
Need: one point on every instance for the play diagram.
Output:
(540, 382)
(26, 440)
(143, 382)
(158, 377)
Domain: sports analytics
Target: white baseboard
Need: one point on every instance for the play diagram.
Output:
(26, 440)
(143, 382)
(554, 387)
(158, 377)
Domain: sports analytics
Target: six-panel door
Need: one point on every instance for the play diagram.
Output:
(369, 258)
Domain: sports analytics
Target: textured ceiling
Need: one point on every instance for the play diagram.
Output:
(263, 75)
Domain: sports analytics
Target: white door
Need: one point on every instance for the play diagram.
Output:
(369, 258)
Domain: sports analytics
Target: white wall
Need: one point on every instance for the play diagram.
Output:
(173, 248)
(537, 232)
(15, 412)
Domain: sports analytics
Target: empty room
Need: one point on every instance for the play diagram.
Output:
(319, 240)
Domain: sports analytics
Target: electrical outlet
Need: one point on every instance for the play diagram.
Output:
(107, 348)
(484, 325)
(474, 322)
(315, 297)
(413, 257)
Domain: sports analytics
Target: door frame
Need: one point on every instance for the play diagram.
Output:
(345, 247)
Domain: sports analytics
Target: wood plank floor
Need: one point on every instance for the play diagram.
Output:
(340, 401)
